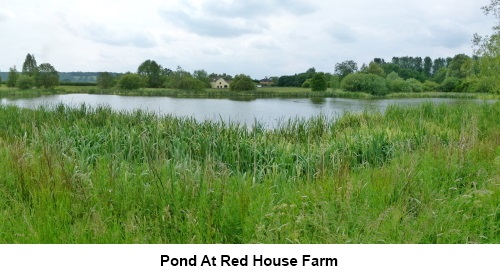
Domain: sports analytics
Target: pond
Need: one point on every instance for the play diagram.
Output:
(268, 112)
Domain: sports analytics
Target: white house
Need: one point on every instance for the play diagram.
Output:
(219, 83)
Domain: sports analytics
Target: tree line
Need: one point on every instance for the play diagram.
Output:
(33, 75)
(150, 74)
(461, 73)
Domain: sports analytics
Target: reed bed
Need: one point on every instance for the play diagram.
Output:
(429, 174)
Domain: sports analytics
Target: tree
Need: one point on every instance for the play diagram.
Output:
(460, 66)
(345, 68)
(130, 81)
(488, 49)
(181, 79)
(47, 76)
(12, 79)
(375, 68)
(390, 67)
(152, 72)
(379, 61)
(105, 80)
(242, 82)
(318, 82)
(440, 75)
(202, 76)
(427, 67)
(29, 66)
(438, 64)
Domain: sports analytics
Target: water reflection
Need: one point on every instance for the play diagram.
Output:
(318, 100)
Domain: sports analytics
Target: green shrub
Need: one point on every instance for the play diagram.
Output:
(335, 82)
(242, 83)
(318, 82)
(25, 82)
(399, 85)
(307, 83)
(369, 83)
(415, 85)
(451, 84)
(190, 83)
(396, 83)
(130, 81)
(482, 84)
(431, 86)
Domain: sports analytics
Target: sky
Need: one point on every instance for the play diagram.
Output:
(260, 38)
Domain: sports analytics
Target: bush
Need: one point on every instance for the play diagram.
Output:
(369, 83)
(482, 84)
(392, 76)
(307, 83)
(318, 82)
(242, 83)
(415, 85)
(451, 84)
(25, 82)
(399, 85)
(431, 86)
(335, 82)
(396, 83)
(130, 81)
(190, 83)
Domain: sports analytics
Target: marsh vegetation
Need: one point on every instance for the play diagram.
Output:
(428, 174)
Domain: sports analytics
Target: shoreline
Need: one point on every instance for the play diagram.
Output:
(261, 93)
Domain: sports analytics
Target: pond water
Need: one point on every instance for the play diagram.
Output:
(268, 112)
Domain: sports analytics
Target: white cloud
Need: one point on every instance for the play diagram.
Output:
(5, 15)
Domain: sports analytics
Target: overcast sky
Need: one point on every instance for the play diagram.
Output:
(255, 37)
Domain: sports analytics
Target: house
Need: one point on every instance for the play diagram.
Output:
(219, 83)
(266, 82)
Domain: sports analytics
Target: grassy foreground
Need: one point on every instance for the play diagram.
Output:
(429, 174)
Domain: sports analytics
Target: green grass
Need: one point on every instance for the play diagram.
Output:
(429, 174)
(265, 92)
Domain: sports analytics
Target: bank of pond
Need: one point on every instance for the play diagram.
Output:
(426, 173)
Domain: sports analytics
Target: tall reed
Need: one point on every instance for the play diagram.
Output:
(92, 175)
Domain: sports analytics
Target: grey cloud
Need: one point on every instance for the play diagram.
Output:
(212, 26)
(212, 50)
(445, 34)
(255, 8)
(114, 37)
(264, 43)
(342, 33)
